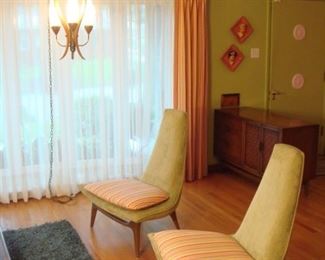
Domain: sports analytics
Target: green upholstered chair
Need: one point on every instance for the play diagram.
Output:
(266, 228)
(165, 170)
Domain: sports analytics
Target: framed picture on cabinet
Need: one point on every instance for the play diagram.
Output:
(242, 29)
(232, 57)
(230, 100)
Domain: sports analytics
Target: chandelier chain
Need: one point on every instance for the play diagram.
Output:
(51, 108)
(61, 199)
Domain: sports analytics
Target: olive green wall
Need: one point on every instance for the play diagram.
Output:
(251, 77)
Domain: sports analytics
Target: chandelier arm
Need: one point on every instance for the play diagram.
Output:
(77, 39)
(84, 44)
(57, 41)
(65, 51)
(78, 50)
(68, 37)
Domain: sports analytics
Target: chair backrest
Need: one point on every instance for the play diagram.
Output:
(266, 228)
(166, 165)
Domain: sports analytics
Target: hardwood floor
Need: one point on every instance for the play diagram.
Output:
(216, 203)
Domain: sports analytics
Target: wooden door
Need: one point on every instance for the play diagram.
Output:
(258, 146)
(290, 57)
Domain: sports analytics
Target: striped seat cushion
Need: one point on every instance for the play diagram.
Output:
(128, 193)
(192, 245)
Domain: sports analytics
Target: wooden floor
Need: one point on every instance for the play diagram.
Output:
(217, 203)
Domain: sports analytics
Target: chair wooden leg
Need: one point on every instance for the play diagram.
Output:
(136, 228)
(174, 218)
(93, 214)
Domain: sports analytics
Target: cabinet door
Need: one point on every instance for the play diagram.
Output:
(228, 138)
(270, 137)
(252, 146)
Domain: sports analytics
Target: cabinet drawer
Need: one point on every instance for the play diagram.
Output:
(228, 138)
(230, 148)
(229, 125)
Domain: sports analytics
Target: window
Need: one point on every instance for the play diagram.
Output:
(107, 109)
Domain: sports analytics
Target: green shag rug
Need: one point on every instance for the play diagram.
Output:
(57, 240)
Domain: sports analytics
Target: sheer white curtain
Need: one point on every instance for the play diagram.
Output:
(107, 109)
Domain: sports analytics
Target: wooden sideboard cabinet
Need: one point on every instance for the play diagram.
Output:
(244, 139)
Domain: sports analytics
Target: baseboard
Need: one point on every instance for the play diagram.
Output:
(228, 168)
(215, 168)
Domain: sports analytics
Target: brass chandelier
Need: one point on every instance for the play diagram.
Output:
(76, 13)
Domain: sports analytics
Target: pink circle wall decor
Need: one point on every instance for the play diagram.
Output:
(297, 81)
(299, 32)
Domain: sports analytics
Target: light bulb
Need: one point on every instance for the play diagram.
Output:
(72, 11)
(54, 18)
(89, 17)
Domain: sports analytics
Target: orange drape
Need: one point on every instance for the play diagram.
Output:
(190, 79)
